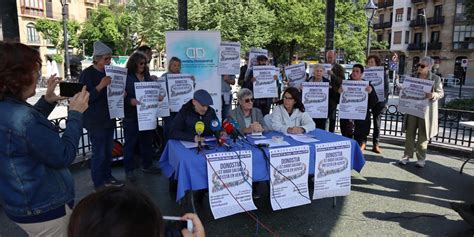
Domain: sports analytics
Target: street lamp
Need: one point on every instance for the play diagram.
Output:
(426, 31)
(370, 9)
(67, 73)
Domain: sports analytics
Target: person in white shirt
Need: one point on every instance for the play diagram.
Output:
(289, 115)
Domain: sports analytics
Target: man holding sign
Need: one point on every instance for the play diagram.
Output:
(426, 125)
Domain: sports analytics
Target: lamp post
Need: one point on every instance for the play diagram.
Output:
(370, 9)
(426, 31)
(67, 73)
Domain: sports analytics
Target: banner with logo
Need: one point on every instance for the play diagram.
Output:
(295, 74)
(354, 100)
(229, 58)
(163, 104)
(265, 85)
(413, 96)
(199, 54)
(332, 172)
(116, 89)
(316, 99)
(289, 177)
(376, 77)
(180, 89)
(229, 175)
(147, 94)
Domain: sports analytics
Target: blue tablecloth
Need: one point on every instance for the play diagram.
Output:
(189, 168)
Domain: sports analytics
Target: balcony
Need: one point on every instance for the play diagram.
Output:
(463, 45)
(382, 25)
(421, 46)
(385, 4)
(418, 22)
(438, 20)
(418, 1)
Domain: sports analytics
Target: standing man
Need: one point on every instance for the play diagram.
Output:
(226, 89)
(243, 70)
(336, 75)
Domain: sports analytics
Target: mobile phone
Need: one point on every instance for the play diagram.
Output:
(69, 89)
(175, 223)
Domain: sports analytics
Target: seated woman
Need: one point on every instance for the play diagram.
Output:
(289, 115)
(250, 119)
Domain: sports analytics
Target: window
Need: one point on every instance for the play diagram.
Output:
(417, 39)
(32, 7)
(434, 37)
(379, 37)
(409, 14)
(381, 16)
(32, 34)
(89, 13)
(438, 11)
(399, 15)
(463, 36)
(49, 8)
(420, 12)
(407, 37)
(397, 37)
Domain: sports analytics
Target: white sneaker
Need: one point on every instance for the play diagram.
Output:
(405, 159)
(420, 164)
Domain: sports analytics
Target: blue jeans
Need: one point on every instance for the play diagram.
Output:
(102, 141)
(134, 137)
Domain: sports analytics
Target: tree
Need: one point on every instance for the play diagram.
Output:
(52, 31)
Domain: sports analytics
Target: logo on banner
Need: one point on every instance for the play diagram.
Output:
(229, 55)
(332, 165)
(180, 89)
(218, 185)
(353, 96)
(416, 94)
(195, 53)
(297, 169)
(314, 96)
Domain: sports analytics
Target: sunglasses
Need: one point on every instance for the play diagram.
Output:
(248, 100)
(422, 66)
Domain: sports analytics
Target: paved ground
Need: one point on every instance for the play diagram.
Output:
(386, 200)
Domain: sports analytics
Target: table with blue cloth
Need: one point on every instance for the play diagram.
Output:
(189, 168)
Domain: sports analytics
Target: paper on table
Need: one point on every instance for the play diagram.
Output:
(210, 139)
(302, 138)
(271, 143)
(191, 144)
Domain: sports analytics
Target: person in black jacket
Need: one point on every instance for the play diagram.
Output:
(362, 127)
(196, 109)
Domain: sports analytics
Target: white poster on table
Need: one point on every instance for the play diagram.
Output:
(332, 172)
(376, 77)
(354, 100)
(316, 99)
(253, 54)
(265, 86)
(413, 96)
(229, 175)
(180, 89)
(289, 177)
(116, 90)
(163, 104)
(229, 58)
(147, 94)
(295, 74)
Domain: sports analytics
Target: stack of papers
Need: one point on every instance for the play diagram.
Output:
(304, 138)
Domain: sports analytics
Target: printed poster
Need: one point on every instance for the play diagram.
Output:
(265, 86)
(354, 100)
(289, 177)
(376, 77)
(116, 90)
(295, 74)
(413, 96)
(147, 94)
(229, 176)
(163, 104)
(180, 89)
(332, 172)
(316, 99)
(229, 58)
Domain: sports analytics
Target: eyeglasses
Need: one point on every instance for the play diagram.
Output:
(422, 66)
(248, 100)
(287, 98)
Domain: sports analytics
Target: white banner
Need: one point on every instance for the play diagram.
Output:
(234, 171)
(253, 54)
(316, 99)
(199, 54)
(413, 96)
(354, 100)
(289, 177)
(265, 86)
(295, 74)
(116, 89)
(163, 103)
(147, 95)
(229, 58)
(180, 88)
(332, 172)
(376, 77)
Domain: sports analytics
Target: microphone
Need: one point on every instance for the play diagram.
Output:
(230, 129)
(199, 127)
(236, 127)
(216, 129)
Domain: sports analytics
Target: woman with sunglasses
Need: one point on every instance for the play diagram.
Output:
(250, 119)
(97, 119)
(426, 127)
(137, 72)
(289, 115)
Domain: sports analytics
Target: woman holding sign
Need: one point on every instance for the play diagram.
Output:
(137, 72)
(317, 76)
(426, 127)
(289, 115)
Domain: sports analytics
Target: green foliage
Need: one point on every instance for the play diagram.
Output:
(469, 10)
(461, 104)
(57, 57)
(53, 32)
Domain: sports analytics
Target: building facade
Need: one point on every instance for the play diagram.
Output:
(437, 28)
